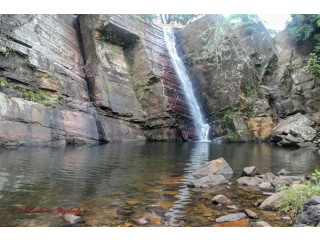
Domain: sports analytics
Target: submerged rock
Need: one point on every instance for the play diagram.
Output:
(156, 209)
(208, 181)
(221, 199)
(249, 171)
(260, 224)
(271, 202)
(238, 223)
(216, 167)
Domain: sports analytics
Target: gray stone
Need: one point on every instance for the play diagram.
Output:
(216, 167)
(260, 224)
(231, 217)
(221, 199)
(310, 214)
(271, 202)
(251, 214)
(305, 144)
(285, 180)
(249, 171)
(208, 181)
(249, 181)
(269, 176)
(266, 186)
(284, 172)
(305, 132)
(72, 218)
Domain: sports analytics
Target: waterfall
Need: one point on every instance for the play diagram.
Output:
(201, 128)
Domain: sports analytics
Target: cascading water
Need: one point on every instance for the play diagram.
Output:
(201, 128)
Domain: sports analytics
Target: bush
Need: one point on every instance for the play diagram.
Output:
(293, 199)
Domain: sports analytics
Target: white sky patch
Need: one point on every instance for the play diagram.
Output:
(275, 21)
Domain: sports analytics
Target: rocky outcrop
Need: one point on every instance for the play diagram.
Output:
(96, 78)
(271, 203)
(296, 130)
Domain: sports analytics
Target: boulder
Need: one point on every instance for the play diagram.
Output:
(249, 181)
(266, 186)
(221, 199)
(284, 172)
(208, 181)
(310, 213)
(260, 224)
(231, 217)
(285, 180)
(249, 171)
(72, 218)
(216, 167)
(271, 202)
(251, 214)
(269, 176)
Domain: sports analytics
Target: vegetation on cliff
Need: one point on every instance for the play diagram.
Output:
(306, 27)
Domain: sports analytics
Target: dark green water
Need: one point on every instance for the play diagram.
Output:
(114, 183)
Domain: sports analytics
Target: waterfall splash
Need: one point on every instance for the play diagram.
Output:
(201, 128)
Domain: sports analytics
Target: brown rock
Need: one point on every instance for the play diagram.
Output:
(216, 167)
(221, 199)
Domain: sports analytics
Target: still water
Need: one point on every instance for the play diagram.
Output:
(114, 183)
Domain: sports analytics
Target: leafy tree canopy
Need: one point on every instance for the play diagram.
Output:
(167, 18)
(304, 27)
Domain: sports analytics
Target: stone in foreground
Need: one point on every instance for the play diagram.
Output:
(249, 171)
(216, 167)
(221, 199)
(284, 172)
(208, 181)
(251, 214)
(249, 181)
(71, 218)
(231, 217)
(260, 224)
(310, 214)
(271, 202)
(238, 223)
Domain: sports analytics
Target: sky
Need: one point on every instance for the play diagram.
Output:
(274, 21)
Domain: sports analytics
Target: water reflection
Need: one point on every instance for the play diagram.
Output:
(126, 176)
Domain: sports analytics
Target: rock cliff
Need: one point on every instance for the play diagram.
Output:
(92, 78)
(106, 78)
(248, 81)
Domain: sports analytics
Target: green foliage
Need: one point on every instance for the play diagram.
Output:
(231, 137)
(3, 82)
(316, 174)
(243, 18)
(293, 199)
(304, 27)
(249, 29)
(313, 64)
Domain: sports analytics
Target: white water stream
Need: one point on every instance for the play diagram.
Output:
(201, 128)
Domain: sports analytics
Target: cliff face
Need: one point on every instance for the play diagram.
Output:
(102, 78)
(249, 80)
(105, 78)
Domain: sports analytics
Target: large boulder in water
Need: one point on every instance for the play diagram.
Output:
(208, 181)
(215, 167)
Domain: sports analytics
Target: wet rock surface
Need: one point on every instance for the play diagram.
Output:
(216, 167)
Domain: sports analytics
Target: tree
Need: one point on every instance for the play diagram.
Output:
(304, 27)
(148, 17)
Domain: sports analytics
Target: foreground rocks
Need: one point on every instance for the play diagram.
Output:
(271, 202)
(212, 174)
(208, 181)
(216, 167)
(310, 212)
